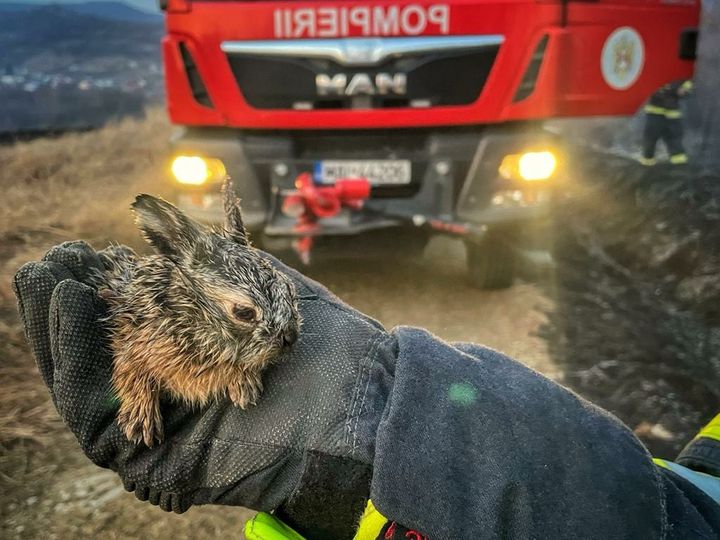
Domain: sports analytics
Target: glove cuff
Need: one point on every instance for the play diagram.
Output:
(331, 498)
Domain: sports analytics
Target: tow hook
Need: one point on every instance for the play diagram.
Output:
(309, 203)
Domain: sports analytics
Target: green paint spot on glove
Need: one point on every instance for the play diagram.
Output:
(463, 394)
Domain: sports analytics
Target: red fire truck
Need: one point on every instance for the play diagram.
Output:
(337, 118)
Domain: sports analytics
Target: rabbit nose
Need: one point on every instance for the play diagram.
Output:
(289, 337)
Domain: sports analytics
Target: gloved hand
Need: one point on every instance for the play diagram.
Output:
(311, 436)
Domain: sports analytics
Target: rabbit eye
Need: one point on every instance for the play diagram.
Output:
(244, 313)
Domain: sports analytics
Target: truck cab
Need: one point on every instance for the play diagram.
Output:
(438, 107)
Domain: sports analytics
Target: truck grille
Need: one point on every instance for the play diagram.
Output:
(424, 79)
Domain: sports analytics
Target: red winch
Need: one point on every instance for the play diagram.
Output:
(309, 203)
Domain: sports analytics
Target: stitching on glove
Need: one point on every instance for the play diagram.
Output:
(355, 410)
(54, 328)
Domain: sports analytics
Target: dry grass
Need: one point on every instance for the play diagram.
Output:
(74, 186)
(25, 411)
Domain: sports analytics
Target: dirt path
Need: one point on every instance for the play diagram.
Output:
(432, 293)
(56, 493)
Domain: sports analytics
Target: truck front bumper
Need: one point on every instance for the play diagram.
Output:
(455, 186)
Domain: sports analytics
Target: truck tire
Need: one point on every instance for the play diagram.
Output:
(490, 263)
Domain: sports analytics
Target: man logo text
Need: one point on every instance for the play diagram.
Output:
(361, 84)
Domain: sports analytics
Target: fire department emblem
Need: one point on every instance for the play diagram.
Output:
(622, 58)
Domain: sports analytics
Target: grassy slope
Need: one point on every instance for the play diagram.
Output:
(75, 186)
(635, 324)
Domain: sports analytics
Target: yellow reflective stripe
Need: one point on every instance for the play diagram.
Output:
(661, 463)
(371, 523)
(647, 161)
(687, 86)
(712, 430)
(653, 109)
(667, 113)
(267, 527)
(678, 159)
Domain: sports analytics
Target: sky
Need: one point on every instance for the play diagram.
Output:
(145, 5)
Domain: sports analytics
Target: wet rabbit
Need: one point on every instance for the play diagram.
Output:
(199, 320)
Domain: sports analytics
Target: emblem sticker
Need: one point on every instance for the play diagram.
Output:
(622, 58)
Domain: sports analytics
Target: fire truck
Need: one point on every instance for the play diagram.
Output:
(338, 118)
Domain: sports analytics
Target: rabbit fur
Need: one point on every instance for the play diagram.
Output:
(199, 320)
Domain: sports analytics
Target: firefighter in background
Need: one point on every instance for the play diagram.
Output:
(663, 121)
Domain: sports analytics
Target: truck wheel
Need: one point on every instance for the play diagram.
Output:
(490, 263)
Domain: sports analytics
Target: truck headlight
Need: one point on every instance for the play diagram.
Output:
(196, 170)
(529, 166)
(537, 165)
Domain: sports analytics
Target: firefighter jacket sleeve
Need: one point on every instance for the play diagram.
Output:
(475, 445)
(702, 454)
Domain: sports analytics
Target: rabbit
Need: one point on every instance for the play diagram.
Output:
(198, 321)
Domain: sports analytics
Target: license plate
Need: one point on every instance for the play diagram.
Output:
(377, 171)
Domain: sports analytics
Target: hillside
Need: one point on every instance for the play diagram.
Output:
(76, 67)
(57, 37)
(117, 11)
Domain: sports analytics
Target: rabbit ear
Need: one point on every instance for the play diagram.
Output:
(234, 227)
(168, 230)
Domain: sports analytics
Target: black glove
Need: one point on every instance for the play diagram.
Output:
(307, 445)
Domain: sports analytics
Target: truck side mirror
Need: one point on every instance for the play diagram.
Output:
(174, 6)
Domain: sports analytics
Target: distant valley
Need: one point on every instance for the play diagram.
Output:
(76, 66)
